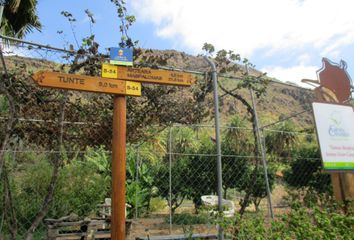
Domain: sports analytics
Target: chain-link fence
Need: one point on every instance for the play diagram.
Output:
(185, 187)
(55, 158)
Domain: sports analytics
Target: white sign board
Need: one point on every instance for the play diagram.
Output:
(335, 130)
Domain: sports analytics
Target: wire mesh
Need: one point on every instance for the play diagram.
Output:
(56, 161)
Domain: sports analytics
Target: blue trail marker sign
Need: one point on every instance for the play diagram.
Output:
(121, 56)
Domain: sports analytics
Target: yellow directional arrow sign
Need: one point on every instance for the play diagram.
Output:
(147, 75)
(86, 83)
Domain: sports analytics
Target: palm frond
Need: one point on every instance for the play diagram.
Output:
(20, 18)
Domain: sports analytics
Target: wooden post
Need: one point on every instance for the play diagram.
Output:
(338, 190)
(348, 188)
(118, 168)
(121, 86)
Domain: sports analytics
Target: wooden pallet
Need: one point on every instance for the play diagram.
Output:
(82, 230)
(99, 229)
(67, 230)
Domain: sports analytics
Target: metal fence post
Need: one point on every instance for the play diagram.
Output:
(137, 181)
(218, 140)
(262, 148)
(170, 174)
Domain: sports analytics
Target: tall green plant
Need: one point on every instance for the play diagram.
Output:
(184, 141)
(281, 140)
(139, 183)
(20, 18)
(236, 146)
(101, 159)
(237, 136)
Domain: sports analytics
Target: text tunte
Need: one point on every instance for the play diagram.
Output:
(73, 80)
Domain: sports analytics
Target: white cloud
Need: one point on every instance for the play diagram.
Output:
(298, 32)
(304, 59)
(245, 26)
(293, 74)
(10, 50)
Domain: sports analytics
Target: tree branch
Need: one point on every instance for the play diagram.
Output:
(250, 184)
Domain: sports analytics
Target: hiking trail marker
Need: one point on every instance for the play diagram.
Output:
(86, 83)
(147, 75)
(121, 56)
(121, 81)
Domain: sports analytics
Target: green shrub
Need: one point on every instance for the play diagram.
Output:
(305, 171)
(299, 223)
(157, 204)
(80, 189)
(29, 187)
(139, 183)
(304, 223)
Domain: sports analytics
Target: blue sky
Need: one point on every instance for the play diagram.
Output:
(106, 28)
(285, 38)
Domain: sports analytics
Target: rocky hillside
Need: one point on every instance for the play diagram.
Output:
(281, 99)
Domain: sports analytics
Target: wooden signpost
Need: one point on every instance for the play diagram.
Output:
(121, 81)
(147, 75)
(86, 83)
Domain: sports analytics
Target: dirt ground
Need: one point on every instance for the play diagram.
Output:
(157, 226)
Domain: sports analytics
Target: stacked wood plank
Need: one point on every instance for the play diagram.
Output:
(88, 229)
(71, 227)
(85, 229)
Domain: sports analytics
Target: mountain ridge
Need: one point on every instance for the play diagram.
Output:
(281, 100)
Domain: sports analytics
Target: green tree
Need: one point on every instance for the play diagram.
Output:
(306, 171)
(126, 22)
(235, 169)
(19, 18)
(183, 142)
(281, 140)
(179, 187)
(229, 63)
(202, 171)
(236, 146)
(208, 48)
(258, 190)
(238, 136)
